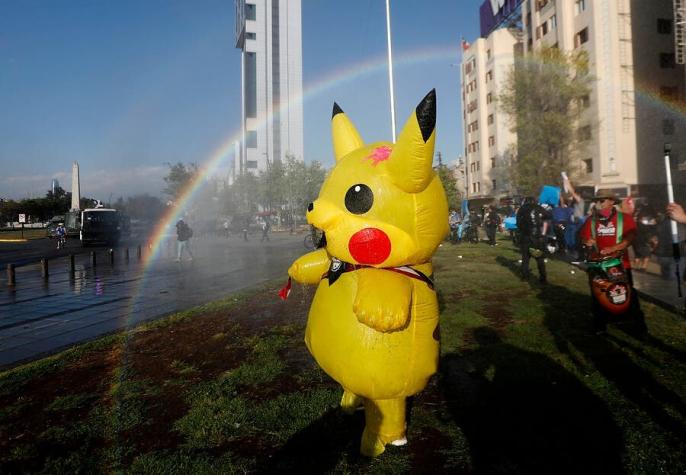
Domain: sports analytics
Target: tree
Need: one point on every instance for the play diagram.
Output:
(179, 175)
(543, 98)
(447, 177)
(272, 185)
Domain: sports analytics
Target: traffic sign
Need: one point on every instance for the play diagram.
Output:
(22, 218)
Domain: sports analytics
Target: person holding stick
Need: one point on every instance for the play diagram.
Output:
(676, 212)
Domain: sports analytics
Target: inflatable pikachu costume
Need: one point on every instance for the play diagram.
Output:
(373, 324)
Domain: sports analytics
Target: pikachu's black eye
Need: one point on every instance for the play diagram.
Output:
(359, 199)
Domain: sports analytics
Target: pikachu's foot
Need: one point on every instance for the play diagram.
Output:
(372, 445)
(351, 402)
(400, 442)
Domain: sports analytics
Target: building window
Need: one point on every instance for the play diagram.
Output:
(664, 26)
(473, 187)
(492, 162)
(251, 139)
(489, 76)
(579, 6)
(250, 85)
(490, 119)
(478, 166)
(588, 165)
(668, 127)
(250, 11)
(493, 183)
(478, 187)
(527, 19)
(584, 133)
(581, 37)
(491, 140)
(489, 98)
(553, 22)
(529, 44)
(544, 28)
(667, 61)
(250, 36)
(251, 164)
(488, 54)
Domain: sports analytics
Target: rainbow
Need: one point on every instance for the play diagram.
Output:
(344, 74)
(221, 154)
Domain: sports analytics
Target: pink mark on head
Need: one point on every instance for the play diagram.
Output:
(379, 154)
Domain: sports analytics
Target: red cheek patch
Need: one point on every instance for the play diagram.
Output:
(369, 246)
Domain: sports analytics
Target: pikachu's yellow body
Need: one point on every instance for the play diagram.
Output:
(373, 324)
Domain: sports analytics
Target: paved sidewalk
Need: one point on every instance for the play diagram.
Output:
(659, 291)
(40, 317)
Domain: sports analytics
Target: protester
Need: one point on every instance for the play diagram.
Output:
(491, 223)
(453, 222)
(183, 236)
(645, 237)
(61, 233)
(664, 250)
(531, 224)
(266, 226)
(562, 217)
(609, 231)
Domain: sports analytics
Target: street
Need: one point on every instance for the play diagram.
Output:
(39, 317)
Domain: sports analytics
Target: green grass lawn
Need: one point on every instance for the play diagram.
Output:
(28, 233)
(524, 386)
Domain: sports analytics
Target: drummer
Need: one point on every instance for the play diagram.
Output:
(611, 232)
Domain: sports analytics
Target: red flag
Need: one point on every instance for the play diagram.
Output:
(283, 293)
(465, 45)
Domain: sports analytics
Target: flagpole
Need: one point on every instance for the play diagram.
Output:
(390, 66)
(462, 119)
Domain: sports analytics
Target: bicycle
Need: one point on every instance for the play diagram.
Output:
(61, 242)
(471, 234)
(314, 239)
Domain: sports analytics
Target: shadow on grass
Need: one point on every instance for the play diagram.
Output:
(523, 413)
(319, 447)
(606, 354)
(567, 316)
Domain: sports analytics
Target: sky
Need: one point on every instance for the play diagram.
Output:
(125, 87)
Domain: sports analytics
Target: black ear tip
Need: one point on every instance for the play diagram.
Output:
(336, 110)
(426, 114)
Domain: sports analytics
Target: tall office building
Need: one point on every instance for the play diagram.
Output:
(632, 109)
(268, 33)
(488, 139)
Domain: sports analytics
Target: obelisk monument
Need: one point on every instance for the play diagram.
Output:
(75, 187)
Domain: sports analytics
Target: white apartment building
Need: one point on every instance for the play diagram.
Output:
(269, 35)
(486, 65)
(632, 109)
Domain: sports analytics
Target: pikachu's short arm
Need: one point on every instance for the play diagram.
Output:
(383, 299)
(308, 269)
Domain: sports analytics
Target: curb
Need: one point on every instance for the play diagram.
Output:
(14, 240)
(661, 303)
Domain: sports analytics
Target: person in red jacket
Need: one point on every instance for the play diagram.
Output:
(614, 232)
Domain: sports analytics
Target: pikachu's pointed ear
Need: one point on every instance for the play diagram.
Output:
(345, 135)
(412, 157)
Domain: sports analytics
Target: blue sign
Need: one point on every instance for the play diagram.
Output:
(494, 13)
